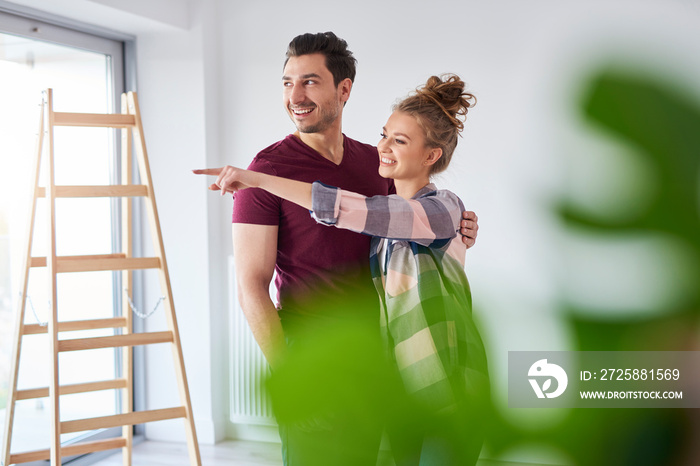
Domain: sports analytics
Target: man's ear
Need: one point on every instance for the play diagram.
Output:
(344, 88)
(433, 156)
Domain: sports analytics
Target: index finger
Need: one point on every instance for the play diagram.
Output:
(207, 171)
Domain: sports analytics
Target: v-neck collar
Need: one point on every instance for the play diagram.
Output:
(317, 154)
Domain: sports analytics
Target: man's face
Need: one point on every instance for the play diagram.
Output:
(312, 100)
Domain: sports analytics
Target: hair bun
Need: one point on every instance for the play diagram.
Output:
(447, 92)
(440, 106)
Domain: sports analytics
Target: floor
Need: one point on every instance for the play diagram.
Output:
(232, 452)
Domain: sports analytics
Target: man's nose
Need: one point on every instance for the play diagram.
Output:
(297, 95)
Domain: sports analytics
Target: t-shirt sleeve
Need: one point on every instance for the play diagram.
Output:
(254, 205)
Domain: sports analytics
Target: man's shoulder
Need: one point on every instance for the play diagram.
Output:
(360, 147)
(276, 147)
(266, 160)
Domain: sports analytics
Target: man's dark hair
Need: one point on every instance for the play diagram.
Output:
(339, 59)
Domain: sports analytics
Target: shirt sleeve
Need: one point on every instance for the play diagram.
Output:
(430, 218)
(254, 205)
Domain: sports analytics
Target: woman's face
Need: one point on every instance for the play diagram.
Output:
(402, 151)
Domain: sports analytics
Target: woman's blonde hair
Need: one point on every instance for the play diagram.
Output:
(439, 106)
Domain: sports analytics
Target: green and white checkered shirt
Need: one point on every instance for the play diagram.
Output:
(417, 259)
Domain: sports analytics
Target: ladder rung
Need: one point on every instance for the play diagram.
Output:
(113, 190)
(128, 419)
(41, 261)
(32, 393)
(73, 325)
(105, 120)
(97, 263)
(132, 339)
(70, 450)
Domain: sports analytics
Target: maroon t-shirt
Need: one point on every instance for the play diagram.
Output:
(313, 259)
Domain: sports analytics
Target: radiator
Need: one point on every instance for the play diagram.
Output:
(249, 403)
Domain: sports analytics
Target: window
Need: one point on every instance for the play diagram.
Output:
(86, 74)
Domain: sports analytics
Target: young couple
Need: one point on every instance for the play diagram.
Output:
(410, 249)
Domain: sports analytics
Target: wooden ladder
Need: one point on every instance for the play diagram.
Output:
(131, 134)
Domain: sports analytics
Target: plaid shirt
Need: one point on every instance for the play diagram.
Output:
(417, 259)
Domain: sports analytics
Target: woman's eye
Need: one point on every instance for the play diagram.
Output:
(382, 135)
(399, 141)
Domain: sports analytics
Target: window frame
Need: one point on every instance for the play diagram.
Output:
(120, 48)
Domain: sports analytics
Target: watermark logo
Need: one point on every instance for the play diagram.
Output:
(544, 371)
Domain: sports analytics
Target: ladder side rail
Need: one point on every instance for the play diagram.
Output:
(52, 263)
(128, 284)
(157, 237)
(19, 323)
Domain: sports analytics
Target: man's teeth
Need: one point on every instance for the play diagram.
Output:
(389, 161)
(299, 111)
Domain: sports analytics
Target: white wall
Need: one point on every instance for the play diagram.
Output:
(209, 82)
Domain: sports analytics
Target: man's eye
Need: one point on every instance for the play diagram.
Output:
(287, 84)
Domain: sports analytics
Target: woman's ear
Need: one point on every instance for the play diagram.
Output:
(433, 156)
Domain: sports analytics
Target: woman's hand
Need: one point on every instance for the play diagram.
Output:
(229, 179)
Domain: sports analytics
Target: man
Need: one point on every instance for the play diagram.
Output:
(323, 275)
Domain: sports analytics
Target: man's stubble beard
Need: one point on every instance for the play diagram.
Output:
(327, 118)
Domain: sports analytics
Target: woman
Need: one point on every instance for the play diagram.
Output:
(417, 260)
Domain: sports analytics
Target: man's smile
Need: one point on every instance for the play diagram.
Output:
(301, 111)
